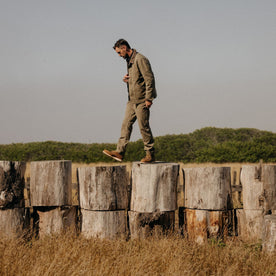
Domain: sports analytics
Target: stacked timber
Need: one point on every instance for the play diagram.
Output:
(13, 217)
(207, 202)
(153, 198)
(51, 196)
(259, 199)
(103, 192)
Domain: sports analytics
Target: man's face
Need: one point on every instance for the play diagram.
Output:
(122, 51)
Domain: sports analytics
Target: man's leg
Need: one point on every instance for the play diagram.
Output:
(143, 115)
(129, 119)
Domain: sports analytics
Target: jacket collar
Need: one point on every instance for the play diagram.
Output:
(132, 57)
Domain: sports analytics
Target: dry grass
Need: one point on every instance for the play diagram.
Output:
(68, 254)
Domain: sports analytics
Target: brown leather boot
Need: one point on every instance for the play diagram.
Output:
(149, 158)
(114, 154)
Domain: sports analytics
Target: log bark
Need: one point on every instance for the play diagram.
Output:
(269, 234)
(154, 187)
(143, 225)
(208, 188)
(250, 224)
(259, 187)
(12, 222)
(104, 224)
(103, 188)
(202, 224)
(12, 184)
(56, 220)
(51, 183)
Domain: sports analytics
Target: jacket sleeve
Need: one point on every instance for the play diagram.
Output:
(145, 70)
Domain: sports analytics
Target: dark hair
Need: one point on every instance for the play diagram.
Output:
(121, 42)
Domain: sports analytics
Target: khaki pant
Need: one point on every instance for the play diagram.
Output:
(142, 114)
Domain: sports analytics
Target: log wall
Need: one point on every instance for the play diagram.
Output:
(145, 195)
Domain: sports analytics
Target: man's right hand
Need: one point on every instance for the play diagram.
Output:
(126, 77)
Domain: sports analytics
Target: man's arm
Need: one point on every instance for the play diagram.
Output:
(145, 69)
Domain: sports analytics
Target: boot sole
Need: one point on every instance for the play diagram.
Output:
(114, 157)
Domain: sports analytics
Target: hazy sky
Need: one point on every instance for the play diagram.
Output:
(214, 63)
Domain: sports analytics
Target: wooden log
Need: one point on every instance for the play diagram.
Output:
(51, 183)
(202, 224)
(259, 187)
(269, 182)
(12, 184)
(154, 187)
(269, 234)
(196, 225)
(56, 220)
(143, 225)
(207, 188)
(250, 224)
(103, 188)
(104, 224)
(12, 222)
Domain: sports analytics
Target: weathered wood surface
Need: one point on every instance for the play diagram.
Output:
(103, 188)
(12, 222)
(269, 180)
(250, 224)
(12, 184)
(202, 224)
(269, 233)
(236, 186)
(154, 187)
(104, 224)
(259, 187)
(207, 188)
(55, 220)
(142, 225)
(51, 183)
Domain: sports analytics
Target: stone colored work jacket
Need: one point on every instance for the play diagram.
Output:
(141, 83)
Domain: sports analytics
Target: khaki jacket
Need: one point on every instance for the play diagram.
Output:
(141, 83)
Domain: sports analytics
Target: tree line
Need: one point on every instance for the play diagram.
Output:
(208, 144)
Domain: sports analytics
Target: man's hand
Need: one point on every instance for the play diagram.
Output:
(148, 104)
(126, 77)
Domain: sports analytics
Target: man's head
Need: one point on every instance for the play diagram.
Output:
(122, 48)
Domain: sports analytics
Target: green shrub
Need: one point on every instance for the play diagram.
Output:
(208, 144)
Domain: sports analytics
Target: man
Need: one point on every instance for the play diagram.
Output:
(141, 92)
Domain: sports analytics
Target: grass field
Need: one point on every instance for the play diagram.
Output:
(69, 254)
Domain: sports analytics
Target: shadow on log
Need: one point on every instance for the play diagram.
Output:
(143, 225)
(12, 184)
